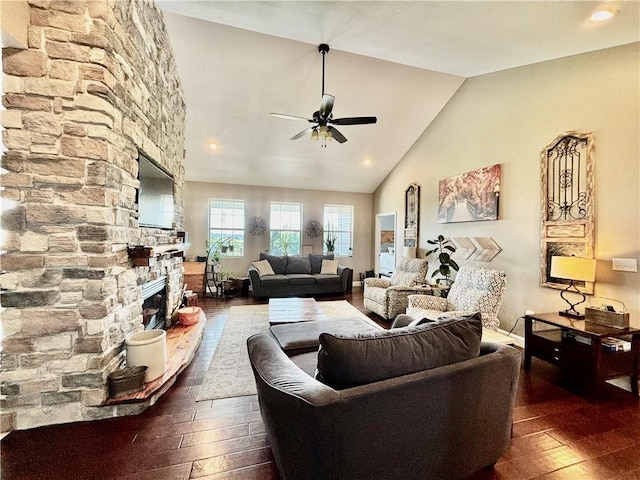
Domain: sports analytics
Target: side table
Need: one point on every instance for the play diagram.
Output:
(431, 289)
(194, 276)
(575, 346)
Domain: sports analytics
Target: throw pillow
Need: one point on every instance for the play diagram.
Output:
(278, 262)
(298, 265)
(316, 262)
(263, 267)
(329, 267)
(346, 361)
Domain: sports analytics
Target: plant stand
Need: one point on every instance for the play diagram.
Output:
(215, 284)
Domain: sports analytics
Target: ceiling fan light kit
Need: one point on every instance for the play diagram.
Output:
(323, 120)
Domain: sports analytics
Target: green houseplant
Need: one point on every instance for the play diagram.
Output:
(330, 240)
(444, 248)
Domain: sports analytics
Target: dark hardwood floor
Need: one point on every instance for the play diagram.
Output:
(556, 435)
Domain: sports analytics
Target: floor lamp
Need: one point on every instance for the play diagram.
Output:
(573, 269)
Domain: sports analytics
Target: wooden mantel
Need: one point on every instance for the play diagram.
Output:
(145, 255)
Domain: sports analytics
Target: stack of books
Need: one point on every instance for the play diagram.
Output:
(612, 344)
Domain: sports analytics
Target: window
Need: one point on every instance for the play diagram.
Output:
(338, 223)
(226, 227)
(286, 228)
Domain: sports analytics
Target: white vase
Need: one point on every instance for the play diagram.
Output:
(148, 348)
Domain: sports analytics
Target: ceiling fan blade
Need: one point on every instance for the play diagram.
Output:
(337, 136)
(326, 106)
(302, 133)
(289, 117)
(353, 120)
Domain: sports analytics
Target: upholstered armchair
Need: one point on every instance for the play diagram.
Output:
(388, 298)
(475, 289)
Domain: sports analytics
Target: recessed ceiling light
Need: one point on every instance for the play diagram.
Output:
(604, 13)
(367, 162)
(213, 146)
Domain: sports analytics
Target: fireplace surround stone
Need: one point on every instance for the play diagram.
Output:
(88, 86)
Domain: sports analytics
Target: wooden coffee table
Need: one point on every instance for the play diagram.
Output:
(294, 310)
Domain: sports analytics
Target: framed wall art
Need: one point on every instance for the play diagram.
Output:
(470, 197)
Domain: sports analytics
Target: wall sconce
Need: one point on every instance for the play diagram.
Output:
(573, 269)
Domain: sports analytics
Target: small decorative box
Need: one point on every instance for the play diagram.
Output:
(606, 317)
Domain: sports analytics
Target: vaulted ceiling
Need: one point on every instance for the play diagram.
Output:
(400, 61)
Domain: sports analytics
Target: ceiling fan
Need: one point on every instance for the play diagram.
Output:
(323, 121)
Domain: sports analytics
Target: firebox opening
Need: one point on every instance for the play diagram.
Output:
(154, 305)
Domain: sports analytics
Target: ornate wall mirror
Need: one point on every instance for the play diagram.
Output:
(411, 218)
(567, 203)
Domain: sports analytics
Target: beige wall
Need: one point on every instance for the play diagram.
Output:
(508, 117)
(257, 202)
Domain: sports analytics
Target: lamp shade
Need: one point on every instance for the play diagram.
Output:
(409, 252)
(574, 268)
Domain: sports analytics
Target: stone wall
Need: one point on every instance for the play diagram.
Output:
(96, 84)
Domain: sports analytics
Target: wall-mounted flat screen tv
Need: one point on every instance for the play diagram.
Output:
(155, 195)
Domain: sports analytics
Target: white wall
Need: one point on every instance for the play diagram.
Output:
(257, 203)
(509, 117)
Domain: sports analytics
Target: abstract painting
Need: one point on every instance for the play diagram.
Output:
(470, 197)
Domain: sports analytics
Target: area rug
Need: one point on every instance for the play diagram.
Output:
(229, 373)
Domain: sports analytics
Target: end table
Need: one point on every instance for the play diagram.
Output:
(575, 346)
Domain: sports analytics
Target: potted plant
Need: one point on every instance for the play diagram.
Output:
(444, 248)
(215, 261)
(330, 240)
(232, 285)
(216, 246)
(225, 279)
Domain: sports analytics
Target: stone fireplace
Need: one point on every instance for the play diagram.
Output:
(87, 85)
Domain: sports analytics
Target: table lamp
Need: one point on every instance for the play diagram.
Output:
(573, 269)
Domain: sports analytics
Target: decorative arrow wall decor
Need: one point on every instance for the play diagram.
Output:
(479, 249)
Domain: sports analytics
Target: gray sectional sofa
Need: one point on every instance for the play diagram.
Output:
(298, 276)
(427, 401)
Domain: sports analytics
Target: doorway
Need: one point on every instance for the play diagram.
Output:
(385, 243)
